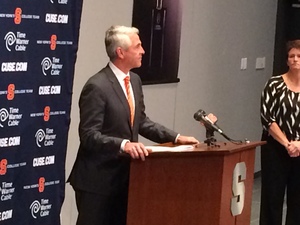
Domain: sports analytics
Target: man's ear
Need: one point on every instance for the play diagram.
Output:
(120, 52)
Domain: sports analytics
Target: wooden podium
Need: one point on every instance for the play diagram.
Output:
(210, 185)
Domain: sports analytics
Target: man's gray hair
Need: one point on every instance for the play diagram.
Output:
(118, 36)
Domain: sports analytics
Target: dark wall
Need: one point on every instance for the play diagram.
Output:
(160, 32)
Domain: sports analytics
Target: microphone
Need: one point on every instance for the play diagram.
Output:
(201, 116)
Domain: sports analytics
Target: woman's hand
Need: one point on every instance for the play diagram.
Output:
(293, 148)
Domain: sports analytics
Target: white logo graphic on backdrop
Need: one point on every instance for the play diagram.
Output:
(46, 65)
(50, 90)
(47, 138)
(41, 209)
(3, 116)
(56, 18)
(63, 2)
(6, 215)
(12, 116)
(54, 64)
(10, 39)
(40, 135)
(44, 161)
(10, 141)
(35, 208)
(7, 190)
(14, 66)
(19, 40)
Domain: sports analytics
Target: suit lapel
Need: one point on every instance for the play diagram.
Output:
(135, 89)
(118, 90)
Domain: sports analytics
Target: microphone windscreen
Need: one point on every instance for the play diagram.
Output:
(199, 114)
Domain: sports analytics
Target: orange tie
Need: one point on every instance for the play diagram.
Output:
(129, 98)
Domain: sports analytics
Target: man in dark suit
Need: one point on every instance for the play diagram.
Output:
(108, 137)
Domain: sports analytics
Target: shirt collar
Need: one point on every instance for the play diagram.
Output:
(119, 74)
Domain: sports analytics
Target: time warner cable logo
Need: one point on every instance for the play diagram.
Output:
(46, 65)
(41, 208)
(52, 67)
(40, 135)
(3, 116)
(10, 117)
(47, 137)
(19, 40)
(10, 39)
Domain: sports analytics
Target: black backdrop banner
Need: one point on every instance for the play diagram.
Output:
(38, 47)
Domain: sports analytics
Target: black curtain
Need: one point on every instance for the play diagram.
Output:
(287, 28)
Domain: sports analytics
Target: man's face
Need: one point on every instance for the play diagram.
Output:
(133, 55)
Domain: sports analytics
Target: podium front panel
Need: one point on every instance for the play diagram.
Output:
(191, 188)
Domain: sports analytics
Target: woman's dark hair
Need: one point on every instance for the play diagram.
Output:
(292, 44)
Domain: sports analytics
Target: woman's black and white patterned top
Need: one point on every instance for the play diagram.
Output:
(281, 105)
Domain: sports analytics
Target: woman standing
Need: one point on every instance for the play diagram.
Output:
(280, 161)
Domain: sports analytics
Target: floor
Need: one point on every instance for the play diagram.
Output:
(256, 203)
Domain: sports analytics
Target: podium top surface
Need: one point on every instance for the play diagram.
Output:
(222, 148)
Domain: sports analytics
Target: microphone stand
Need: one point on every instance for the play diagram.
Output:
(210, 137)
(211, 141)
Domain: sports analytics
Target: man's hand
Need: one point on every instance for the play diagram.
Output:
(183, 140)
(136, 150)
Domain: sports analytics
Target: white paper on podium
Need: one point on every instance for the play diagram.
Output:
(179, 148)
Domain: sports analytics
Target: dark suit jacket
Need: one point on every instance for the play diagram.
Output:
(104, 124)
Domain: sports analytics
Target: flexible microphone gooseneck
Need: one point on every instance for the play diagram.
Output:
(201, 116)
